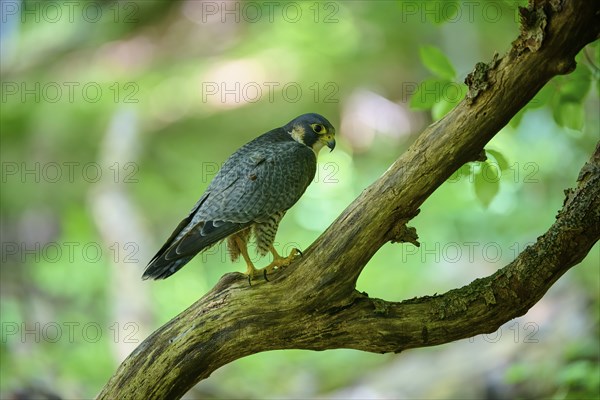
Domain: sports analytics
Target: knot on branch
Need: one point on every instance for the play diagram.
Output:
(381, 307)
(230, 279)
(533, 26)
(400, 233)
(481, 157)
(590, 169)
(478, 79)
(564, 66)
(589, 176)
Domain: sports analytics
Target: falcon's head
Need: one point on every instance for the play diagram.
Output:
(313, 130)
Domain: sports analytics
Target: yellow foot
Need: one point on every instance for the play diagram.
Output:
(280, 263)
(277, 264)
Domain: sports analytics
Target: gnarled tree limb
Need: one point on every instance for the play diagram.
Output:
(326, 311)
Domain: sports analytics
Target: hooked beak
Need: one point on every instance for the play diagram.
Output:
(331, 145)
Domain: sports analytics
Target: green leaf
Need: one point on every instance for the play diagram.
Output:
(441, 108)
(428, 93)
(569, 115)
(576, 85)
(579, 373)
(452, 94)
(463, 173)
(542, 97)
(517, 373)
(466, 170)
(487, 183)
(500, 159)
(437, 62)
(455, 92)
(517, 118)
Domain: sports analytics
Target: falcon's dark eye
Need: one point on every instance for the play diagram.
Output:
(318, 128)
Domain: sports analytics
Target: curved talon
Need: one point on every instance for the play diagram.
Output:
(277, 264)
(299, 251)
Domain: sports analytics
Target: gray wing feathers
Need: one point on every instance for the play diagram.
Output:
(261, 189)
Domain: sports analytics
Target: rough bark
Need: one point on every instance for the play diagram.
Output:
(313, 304)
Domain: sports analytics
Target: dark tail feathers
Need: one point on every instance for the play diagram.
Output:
(174, 254)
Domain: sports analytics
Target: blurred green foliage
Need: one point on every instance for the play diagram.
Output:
(115, 115)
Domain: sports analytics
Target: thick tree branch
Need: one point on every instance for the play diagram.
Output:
(313, 303)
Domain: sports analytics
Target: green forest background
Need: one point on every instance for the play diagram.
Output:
(116, 115)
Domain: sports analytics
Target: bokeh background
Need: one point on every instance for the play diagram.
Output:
(116, 115)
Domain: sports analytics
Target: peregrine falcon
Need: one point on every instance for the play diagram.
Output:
(248, 197)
